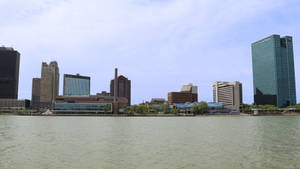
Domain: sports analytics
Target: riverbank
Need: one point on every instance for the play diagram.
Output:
(148, 115)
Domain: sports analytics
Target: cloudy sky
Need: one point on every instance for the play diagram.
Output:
(158, 44)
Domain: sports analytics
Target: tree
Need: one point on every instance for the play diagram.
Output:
(127, 110)
(297, 106)
(142, 109)
(133, 109)
(165, 108)
(175, 111)
(202, 107)
(106, 109)
(267, 107)
(247, 108)
(195, 108)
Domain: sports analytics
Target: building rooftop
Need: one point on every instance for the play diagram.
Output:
(3, 48)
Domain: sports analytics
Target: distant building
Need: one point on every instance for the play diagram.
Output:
(189, 88)
(9, 73)
(123, 88)
(103, 93)
(36, 89)
(213, 108)
(228, 93)
(13, 104)
(88, 104)
(188, 94)
(157, 101)
(182, 97)
(49, 84)
(76, 85)
(273, 71)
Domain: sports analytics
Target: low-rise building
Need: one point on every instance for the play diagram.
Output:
(182, 97)
(213, 108)
(88, 104)
(13, 104)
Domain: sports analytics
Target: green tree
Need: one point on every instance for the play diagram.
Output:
(133, 109)
(127, 110)
(142, 109)
(195, 108)
(175, 111)
(153, 109)
(247, 108)
(297, 106)
(202, 107)
(267, 107)
(165, 108)
(106, 109)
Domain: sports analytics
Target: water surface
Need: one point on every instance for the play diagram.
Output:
(149, 143)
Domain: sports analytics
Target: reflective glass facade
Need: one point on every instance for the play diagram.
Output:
(76, 85)
(83, 107)
(273, 71)
(9, 73)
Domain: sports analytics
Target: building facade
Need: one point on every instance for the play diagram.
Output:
(182, 97)
(9, 73)
(13, 104)
(230, 94)
(123, 88)
(189, 88)
(76, 85)
(188, 94)
(89, 104)
(35, 95)
(49, 84)
(273, 71)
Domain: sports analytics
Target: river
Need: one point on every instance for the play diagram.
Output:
(229, 142)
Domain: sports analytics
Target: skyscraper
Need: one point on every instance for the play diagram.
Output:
(76, 85)
(36, 89)
(228, 93)
(9, 73)
(49, 85)
(123, 88)
(273, 71)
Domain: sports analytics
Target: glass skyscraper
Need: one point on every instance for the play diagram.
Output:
(273, 71)
(9, 73)
(76, 85)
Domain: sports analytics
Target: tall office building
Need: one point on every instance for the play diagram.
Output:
(35, 98)
(273, 71)
(123, 88)
(49, 85)
(9, 73)
(228, 93)
(76, 85)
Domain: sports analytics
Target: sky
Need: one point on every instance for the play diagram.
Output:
(158, 44)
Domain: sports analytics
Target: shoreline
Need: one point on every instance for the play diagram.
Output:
(149, 115)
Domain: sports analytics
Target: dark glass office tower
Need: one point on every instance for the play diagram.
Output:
(9, 73)
(273, 71)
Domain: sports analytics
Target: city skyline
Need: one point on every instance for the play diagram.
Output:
(157, 59)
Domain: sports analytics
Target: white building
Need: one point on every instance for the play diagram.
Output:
(228, 93)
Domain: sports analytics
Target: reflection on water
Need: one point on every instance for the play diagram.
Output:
(168, 143)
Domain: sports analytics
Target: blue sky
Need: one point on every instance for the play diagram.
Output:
(158, 44)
